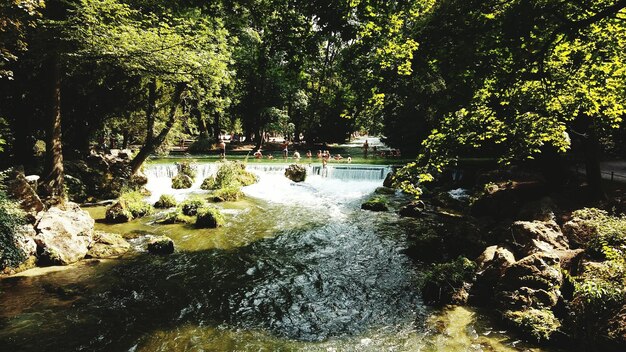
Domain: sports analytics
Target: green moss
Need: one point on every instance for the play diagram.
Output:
(181, 181)
(540, 324)
(229, 174)
(228, 194)
(376, 204)
(165, 201)
(449, 274)
(209, 217)
(190, 206)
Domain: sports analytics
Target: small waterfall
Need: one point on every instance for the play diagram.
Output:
(338, 172)
(170, 170)
(324, 185)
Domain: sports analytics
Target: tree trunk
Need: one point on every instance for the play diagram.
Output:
(202, 129)
(150, 110)
(150, 146)
(125, 137)
(54, 183)
(216, 127)
(592, 164)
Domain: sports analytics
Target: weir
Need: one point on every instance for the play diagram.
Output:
(340, 172)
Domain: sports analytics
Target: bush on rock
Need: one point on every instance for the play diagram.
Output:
(130, 205)
(165, 201)
(229, 174)
(209, 217)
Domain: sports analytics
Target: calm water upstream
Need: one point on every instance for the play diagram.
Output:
(297, 267)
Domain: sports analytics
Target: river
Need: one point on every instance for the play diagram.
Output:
(296, 267)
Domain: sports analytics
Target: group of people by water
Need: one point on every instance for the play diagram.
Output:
(325, 155)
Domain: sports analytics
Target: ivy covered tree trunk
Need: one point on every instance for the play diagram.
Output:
(54, 184)
(153, 143)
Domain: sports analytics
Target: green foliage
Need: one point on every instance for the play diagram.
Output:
(227, 194)
(165, 201)
(136, 203)
(209, 217)
(599, 287)
(541, 324)
(230, 174)
(11, 218)
(190, 206)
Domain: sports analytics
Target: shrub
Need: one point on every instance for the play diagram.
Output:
(202, 145)
(228, 194)
(130, 205)
(229, 174)
(190, 206)
(538, 323)
(209, 217)
(182, 181)
(165, 201)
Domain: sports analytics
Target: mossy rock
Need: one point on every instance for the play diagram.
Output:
(130, 205)
(161, 245)
(190, 207)
(209, 217)
(376, 204)
(229, 194)
(229, 174)
(296, 173)
(186, 168)
(539, 324)
(165, 201)
(181, 181)
(118, 213)
(441, 283)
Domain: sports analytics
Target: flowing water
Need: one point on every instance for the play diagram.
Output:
(296, 267)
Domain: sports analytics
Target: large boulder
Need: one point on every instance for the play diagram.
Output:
(490, 265)
(296, 173)
(388, 182)
(19, 189)
(533, 281)
(118, 213)
(413, 210)
(161, 245)
(530, 237)
(182, 181)
(20, 254)
(107, 245)
(63, 235)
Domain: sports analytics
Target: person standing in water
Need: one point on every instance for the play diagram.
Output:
(365, 147)
(222, 147)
